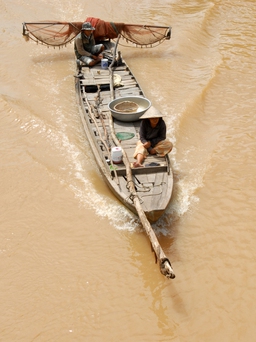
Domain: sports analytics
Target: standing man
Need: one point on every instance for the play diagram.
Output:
(85, 48)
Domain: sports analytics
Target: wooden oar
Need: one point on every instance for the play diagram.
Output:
(165, 264)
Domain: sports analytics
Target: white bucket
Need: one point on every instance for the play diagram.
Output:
(116, 155)
(104, 63)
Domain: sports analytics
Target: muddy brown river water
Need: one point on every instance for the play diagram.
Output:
(75, 264)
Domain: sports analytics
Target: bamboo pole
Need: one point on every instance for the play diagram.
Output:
(165, 264)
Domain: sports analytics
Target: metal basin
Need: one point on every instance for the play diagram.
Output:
(129, 108)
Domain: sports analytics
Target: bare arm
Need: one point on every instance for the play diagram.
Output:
(80, 47)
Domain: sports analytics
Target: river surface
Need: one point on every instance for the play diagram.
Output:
(75, 264)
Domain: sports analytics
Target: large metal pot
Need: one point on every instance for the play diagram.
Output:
(129, 108)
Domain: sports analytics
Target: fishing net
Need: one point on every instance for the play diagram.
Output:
(145, 36)
(52, 33)
(58, 33)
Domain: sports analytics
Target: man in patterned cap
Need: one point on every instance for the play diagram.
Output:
(85, 48)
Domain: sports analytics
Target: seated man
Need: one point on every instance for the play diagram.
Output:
(85, 48)
(152, 137)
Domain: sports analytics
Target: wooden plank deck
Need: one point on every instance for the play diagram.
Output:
(97, 76)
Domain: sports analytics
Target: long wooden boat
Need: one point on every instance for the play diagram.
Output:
(96, 89)
(111, 127)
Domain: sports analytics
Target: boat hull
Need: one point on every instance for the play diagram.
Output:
(154, 182)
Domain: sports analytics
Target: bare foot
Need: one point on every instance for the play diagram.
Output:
(135, 164)
(153, 151)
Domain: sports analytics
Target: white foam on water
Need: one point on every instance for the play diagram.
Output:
(75, 166)
(120, 217)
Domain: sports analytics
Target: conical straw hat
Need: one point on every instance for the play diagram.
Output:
(152, 112)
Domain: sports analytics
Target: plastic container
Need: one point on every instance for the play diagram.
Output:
(104, 63)
(116, 155)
